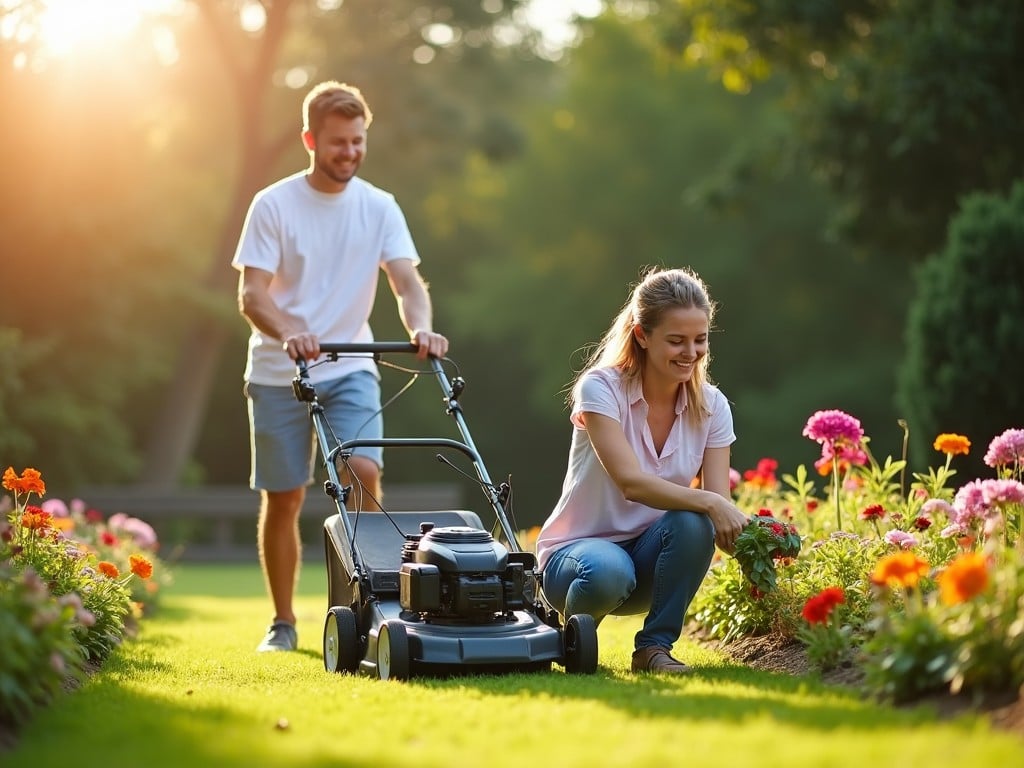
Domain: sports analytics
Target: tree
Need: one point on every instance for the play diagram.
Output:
(905, 106)
(217, 121)
(637, 160)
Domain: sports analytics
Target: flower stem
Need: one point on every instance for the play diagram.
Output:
(835, 492)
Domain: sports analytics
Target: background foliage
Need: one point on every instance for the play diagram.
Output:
(803, 158)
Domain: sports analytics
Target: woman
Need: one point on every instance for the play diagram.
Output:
(630, 534)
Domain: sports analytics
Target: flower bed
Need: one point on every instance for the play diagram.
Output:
(72, 584)
(921, 587)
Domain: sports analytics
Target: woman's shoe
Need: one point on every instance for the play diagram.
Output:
(654, 658)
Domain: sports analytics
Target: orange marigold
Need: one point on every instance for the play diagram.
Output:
(108, 569)
(964, 578)
(30, 481)
(35, 519)
(140, 566)
(901, 569)
(952, 444)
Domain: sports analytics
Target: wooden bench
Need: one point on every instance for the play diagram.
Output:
(218, 523)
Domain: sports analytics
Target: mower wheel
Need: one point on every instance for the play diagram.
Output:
(579, 640)
(342, 649)
(393, 651)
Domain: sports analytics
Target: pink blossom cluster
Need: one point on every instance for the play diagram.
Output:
(1006, 449)
(833, 426)
(141, 532)
(979, 502)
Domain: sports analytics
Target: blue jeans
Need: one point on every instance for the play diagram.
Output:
(658, 572)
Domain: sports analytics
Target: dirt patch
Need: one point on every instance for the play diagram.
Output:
(777, 653)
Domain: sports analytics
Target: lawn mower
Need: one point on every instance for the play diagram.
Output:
(412, 593)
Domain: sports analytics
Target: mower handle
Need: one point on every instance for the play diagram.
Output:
(373, 347)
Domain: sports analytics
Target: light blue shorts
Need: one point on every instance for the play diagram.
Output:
(281, 438)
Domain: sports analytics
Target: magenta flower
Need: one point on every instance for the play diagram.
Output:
(1006, 449)
(833, 427)
(840, 437)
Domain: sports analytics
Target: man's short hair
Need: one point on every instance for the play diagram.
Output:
(333, 98)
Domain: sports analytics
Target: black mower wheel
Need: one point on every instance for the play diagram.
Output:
(579, 641)
(393, 651)
(342, 649)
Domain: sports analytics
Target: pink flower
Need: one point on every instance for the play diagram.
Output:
(141, 532)
(55, 507)
(970, 503)
(1005, 449)
(833, 427)
(932, 506)
(901, 539)
(999, 492)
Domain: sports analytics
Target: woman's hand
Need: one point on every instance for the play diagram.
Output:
(729, 522)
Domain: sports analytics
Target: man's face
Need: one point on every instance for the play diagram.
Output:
(338, 150)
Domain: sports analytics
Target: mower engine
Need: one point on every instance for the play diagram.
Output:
(460, 573)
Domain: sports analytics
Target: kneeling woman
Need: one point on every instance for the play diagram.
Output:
(629, 534)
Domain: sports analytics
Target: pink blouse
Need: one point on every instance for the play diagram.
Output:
(591, 505)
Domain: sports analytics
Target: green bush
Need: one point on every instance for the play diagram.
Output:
(37, 643)
(964, 359)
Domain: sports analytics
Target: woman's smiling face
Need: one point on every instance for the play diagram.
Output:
(676, 345)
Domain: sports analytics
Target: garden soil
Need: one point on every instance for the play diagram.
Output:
(781, 654)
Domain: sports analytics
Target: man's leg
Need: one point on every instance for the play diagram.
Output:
(366, 485)
(281, 443)
(280, 548)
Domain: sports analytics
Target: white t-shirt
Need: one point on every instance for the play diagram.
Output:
(591, 505)
(325, 252)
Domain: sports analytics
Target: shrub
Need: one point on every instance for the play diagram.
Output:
(963, 329)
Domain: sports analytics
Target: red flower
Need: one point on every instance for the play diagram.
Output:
(108, 539)
(874, 512)
(93, 516)
(922, 523)
(764, 513)
(817, 609)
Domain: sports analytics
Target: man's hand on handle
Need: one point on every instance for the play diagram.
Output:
(429, 343)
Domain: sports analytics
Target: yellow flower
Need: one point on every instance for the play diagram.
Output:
(951, 444)
(964, 578)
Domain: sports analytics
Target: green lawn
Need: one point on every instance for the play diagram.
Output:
(190, 691)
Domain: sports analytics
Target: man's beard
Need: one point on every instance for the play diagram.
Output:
(336, 176)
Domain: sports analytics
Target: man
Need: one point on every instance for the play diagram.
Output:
(309, 256)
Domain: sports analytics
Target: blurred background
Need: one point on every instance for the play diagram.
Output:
(846, 176)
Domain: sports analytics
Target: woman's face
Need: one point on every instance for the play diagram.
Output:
(675, 346)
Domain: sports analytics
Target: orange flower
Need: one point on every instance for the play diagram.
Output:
(140, 566)
(901, 569)
(964, 578)
(35, 519)
(108, 569)
(952, 444)
(30, 481)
